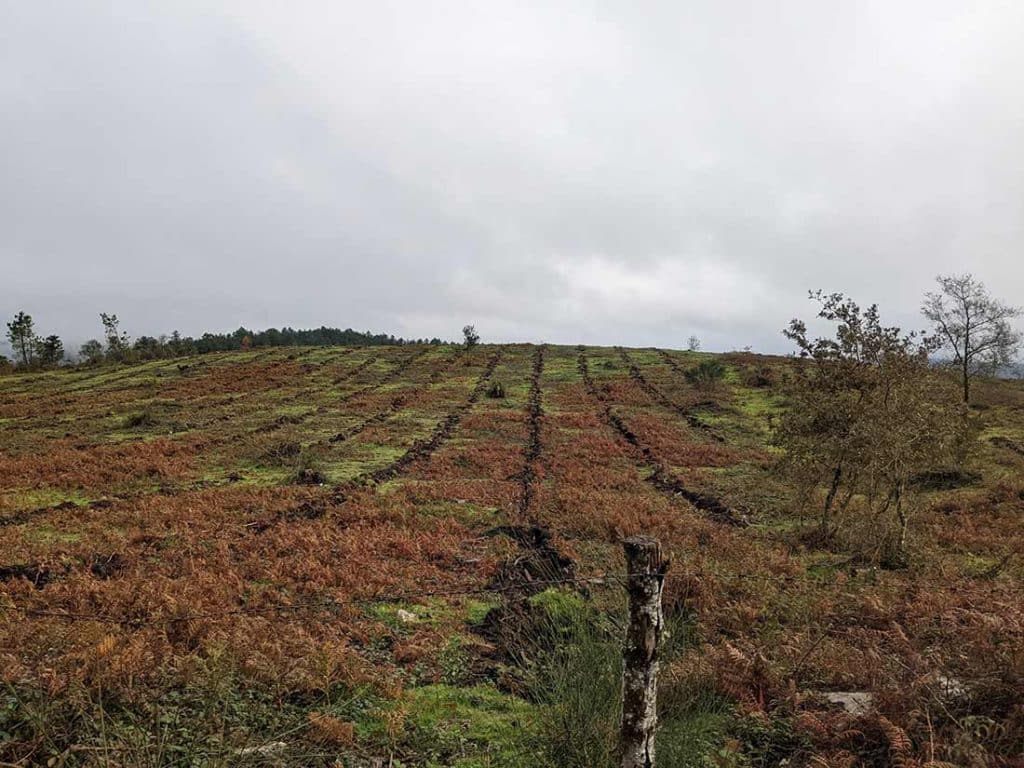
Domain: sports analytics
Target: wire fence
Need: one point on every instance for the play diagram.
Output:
(522, 587)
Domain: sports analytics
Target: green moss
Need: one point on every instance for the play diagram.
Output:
(1001, 430)
(467, 727)
(39, 498)
(757, 403)
(122, 436)
(369, 457)
(645, 358)
(477, 610)
(464, 511)
(979, 565)
(430, 613)
(731, 375)
(560, 607)
(45, 534)
(388, 614)
(560, 370)
(248, 474)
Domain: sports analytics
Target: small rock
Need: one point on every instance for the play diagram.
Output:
(950, 686)
(406, 617)
(267, 749)
(854, 702)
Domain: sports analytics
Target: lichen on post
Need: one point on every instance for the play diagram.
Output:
(645, 567)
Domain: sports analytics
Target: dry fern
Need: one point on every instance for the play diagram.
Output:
(331, 730)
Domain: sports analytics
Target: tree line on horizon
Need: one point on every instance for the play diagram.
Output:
(971, 332)
(33, 352)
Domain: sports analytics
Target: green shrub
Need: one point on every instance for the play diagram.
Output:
(307, 469)
(770, 741)
(283, 453)
(758, 376)
(706, 374)
(144, 418)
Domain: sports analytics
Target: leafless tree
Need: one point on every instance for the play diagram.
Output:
(973, 326)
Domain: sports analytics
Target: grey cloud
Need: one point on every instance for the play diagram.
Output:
(601, 172)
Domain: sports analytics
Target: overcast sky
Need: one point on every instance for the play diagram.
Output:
(563, 171)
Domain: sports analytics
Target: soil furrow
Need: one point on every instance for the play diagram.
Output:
(102, 410)
(423, 449)
(535, 414)
(397, 404)
(19, 518)
(661, 478)
(356, 371)
(662, 399)
(388, 378)
(1008, 444)
(381, 416)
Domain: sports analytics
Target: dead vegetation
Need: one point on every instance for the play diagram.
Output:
(391, 596)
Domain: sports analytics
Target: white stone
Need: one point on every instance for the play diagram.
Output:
(267, 749)
(854, 702)
(950, 686)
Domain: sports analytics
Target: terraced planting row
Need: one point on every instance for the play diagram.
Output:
(661, 478)
(662, 399)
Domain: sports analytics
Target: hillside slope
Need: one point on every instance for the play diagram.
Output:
(364, 552)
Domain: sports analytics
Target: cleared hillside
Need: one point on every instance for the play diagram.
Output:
(363, 552)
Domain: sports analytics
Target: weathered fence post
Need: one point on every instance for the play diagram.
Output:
(645, 569)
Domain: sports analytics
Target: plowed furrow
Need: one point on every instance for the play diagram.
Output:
(661, 478)
(532, 451)
(423, 449)
(663, 400)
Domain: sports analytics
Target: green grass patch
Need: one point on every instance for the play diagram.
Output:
(38, 498)
(577, 683)
(388, 613)
(368, 457)
(757, 403)
(476, 610)
(473, 727)
(45, 534)
(979, 566)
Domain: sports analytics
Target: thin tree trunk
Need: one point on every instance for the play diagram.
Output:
(830, 499)
(901, 516)
(967, 360)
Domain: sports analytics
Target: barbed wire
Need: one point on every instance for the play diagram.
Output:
(320, 604)
(525, 587)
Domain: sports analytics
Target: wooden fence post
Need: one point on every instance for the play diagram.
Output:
(645, 569)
